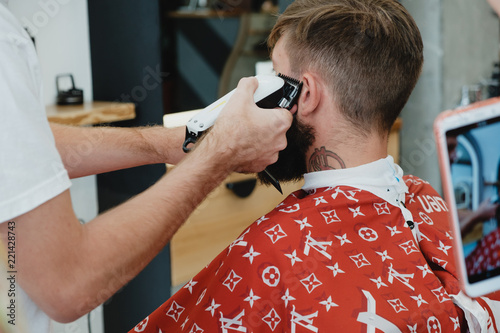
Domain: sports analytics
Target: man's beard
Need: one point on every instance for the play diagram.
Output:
(291, 164)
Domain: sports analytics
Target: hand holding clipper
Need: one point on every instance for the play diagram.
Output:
(272, 92)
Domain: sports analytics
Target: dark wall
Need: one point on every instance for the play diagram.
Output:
(125, 39)
(283, 4)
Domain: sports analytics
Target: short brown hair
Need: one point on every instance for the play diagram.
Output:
(370, 52)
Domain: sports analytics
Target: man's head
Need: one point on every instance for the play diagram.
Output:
(367, 53)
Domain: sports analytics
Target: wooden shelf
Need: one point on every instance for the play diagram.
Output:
(90, 113)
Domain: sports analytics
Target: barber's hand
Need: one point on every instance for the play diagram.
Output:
(486, 210)
(249, 136)
(468, 219)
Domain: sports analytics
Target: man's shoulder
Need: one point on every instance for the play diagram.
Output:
(423, 197)
(429, 209)
(418, 185)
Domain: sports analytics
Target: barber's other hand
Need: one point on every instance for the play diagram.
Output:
(248, 136)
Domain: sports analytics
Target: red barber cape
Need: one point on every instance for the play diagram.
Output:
(335, 260)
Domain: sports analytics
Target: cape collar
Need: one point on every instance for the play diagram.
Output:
(383, 178)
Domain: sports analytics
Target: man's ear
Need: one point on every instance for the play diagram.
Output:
(310, 95)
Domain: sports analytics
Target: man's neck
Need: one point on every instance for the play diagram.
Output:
(338, 144)
(345, 151)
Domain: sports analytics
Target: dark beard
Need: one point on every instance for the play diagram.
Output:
(291, 164)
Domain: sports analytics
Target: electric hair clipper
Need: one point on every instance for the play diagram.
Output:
(273, 91)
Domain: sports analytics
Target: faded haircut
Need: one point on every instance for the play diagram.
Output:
(369, 52)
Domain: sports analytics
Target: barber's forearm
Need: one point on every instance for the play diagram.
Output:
(83, 265)
(92, 150)
(127, 238)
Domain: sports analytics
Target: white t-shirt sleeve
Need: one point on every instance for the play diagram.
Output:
(31, 170)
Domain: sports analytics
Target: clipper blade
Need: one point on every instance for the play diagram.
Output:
(289, 79)
(291, 91)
